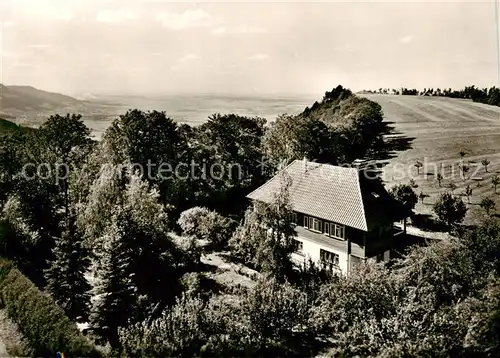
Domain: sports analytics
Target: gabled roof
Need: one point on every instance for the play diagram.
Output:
(337, 194)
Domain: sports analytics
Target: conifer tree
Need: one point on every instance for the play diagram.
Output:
(116, 293)
(65, 277)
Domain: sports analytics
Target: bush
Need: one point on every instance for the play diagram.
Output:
(199, 285)
(180, 331)
(189, 220)
(450, 210)
(40, 320)
(207, 225)
(5, 267)
(216, 229)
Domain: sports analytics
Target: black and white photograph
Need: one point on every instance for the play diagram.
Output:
(249, 178)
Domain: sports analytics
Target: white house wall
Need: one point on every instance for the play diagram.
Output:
(312, 250)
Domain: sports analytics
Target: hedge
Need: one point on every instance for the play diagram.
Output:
(42, 322)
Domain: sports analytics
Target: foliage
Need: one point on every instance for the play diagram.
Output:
(273, 313)
(38, 176)
(135, 257)
(149, 301)
(450, 210)
(117, 295)
(230, 146)
(265, 237)
(495, 180)
(40, 320)
(405, 195)
(190, 219)
(20, 240)
(296, 137)
(449, 286)
(487, 204)
(310, 276)
(65, 277)
(339, 129)
(179, 332)
(207, 225)
(365, 294)
(439, 178)
(212, 165)
(247, 238)
(216, 229)
(269, 316)
(468, 192)
(485, 162)
(482, 95)
(418, 165)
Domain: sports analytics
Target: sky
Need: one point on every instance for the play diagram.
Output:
(155, 47)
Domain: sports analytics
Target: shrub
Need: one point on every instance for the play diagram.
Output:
(450, 210)
(5, 267)
(189, 220)
(216, 229)
(207, 225)
(180, 331)
(488, 205)
(40, 320)
(405, 195)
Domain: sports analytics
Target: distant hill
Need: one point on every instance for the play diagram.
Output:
(27, 98)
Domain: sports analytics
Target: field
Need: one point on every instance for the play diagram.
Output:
(436, 130)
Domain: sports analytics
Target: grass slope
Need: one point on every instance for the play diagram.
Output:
(8, 127)
(438, 129)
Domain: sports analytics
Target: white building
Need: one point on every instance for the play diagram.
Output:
(343, 216)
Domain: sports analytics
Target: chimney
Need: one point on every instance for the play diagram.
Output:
(304, 163)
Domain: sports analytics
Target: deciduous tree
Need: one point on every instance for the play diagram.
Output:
(450, 210)
(487, 204)
(495, 181)
(468, 193)
(485, 162)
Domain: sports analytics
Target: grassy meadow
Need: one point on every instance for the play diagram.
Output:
(437, 129)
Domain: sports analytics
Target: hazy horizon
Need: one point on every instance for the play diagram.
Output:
(158, 47)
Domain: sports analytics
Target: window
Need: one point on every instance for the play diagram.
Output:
(298, 247)
(313, 224)
(339, 231)
(335, 230)
(316, 225)
(329, 259)
(294, 218)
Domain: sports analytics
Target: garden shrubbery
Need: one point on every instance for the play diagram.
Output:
(40, 320)
(204, 224)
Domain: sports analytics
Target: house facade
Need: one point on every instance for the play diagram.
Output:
(342, 216)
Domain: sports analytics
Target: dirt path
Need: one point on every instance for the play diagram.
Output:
(415, 231)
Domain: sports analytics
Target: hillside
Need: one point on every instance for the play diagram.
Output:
(15, 99)
(8, 126)
(437, 129)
